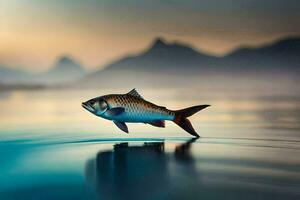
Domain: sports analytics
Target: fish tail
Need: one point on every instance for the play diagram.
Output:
(182, 121)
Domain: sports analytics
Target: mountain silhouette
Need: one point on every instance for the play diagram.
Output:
(163, 56)
(65, 69)
(175, 63)
(281, 56)
(9, 75)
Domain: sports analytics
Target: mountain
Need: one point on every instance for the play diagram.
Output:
(174, 64)
(163, 56)
(281, 56)
(178, 63)
(10, 75)
(65, 69)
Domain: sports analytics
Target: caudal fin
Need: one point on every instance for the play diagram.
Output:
(182, 121)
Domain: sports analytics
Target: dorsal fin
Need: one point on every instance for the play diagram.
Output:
(133, 92)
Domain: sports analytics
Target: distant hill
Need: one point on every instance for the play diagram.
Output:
(163, 56)
(176, 63)
(65, 69)
(10, 75)
(281, 56)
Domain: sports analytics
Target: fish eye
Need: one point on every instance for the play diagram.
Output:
(102, 104)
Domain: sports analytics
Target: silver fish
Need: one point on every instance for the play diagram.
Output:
(132, 107)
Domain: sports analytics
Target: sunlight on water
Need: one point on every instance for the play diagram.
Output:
(57, 113)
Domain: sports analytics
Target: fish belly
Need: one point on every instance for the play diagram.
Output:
(143, 117)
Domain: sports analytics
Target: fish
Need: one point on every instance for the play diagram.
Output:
(133, 108)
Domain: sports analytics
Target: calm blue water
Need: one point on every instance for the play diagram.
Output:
(51, 148)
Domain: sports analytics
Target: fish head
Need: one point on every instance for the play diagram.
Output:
(98, 106)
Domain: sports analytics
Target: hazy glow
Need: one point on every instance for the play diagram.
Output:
(33, 32)
(58, 112)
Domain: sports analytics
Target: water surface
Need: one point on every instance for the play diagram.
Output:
(51, 148)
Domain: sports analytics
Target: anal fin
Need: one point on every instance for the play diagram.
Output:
(122, 126)
(158, 123)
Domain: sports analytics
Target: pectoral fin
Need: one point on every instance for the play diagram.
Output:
(115, 111)
(158, 123)
(122, 126)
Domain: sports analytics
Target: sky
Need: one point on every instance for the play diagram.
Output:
(33, 33)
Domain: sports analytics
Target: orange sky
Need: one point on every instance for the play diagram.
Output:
(33, 33)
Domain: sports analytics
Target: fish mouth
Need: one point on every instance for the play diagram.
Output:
(87, 107)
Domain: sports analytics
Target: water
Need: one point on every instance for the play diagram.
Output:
(51, 148)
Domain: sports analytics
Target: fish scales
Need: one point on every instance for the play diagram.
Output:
(137, 108)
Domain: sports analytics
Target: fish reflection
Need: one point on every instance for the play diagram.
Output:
(136, 172)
